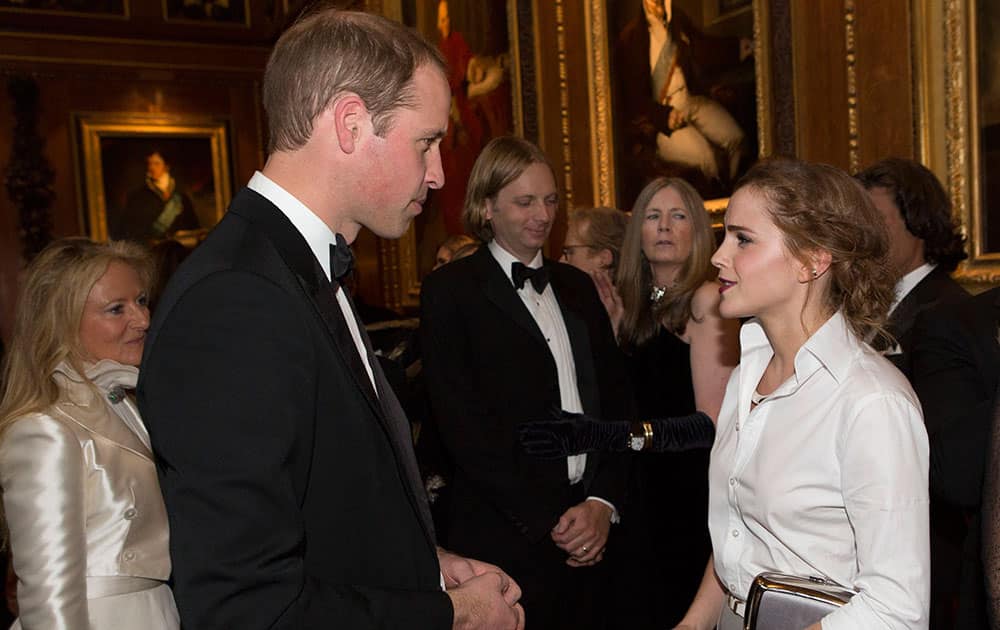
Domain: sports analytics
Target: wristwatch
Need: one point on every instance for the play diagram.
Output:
(641, 436)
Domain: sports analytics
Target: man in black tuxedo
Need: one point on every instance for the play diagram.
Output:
(956, 364)
(508, 336)
(925, 246)
(285, 460)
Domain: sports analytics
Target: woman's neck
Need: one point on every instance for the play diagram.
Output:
(786, 335)
(665, 275)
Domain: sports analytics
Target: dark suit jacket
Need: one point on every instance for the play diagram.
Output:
(487, 369)
(956, 363)
(291, 489)
(937, 287)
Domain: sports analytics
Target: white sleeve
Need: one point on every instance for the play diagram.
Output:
(42, 475)
(884, 467)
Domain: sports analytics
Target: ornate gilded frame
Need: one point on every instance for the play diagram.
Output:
(601, 114)
(947, 123)
(398, 258)
(92, 128)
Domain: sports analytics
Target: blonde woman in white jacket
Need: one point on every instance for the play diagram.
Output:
(85, 519)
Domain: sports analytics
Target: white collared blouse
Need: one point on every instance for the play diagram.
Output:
(826, 477)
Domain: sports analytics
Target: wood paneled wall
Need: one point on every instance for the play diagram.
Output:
(849, 86)
(100, 75)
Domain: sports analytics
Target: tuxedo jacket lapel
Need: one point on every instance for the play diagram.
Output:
(325, 298)
(499, 290)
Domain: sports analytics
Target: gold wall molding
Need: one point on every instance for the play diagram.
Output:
(947, 130)
(602, 153)
(762, 57)
(564, 119)
(851, 59)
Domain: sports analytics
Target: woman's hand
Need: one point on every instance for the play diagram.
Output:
(570, 434)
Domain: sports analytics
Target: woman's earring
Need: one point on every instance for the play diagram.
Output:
(815, 273)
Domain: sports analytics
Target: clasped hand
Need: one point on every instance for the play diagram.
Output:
(482, 595)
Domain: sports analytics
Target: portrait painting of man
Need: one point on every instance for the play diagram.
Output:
(684, 93)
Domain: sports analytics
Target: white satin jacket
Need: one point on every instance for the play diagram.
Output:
(81, 497)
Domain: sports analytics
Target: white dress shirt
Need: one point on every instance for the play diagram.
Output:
(907, 282)
(319, 237)
(826, 477)
(544, 309)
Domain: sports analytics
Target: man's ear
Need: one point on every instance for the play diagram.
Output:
(349, 117)
(490, 209)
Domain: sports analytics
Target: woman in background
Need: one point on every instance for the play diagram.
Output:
(680, 353)
(86, 522)
(594, 240)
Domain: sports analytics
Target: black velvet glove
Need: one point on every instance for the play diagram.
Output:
(574, 433)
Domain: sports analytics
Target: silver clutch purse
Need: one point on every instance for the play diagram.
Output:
(786, 602)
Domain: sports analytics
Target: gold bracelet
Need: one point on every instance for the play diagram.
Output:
(647, 429)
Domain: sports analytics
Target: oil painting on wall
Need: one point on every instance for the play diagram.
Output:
(988, 59)
(684, 93)
(149, 180)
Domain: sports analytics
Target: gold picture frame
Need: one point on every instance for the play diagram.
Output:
(234, 14)
(112, 150)
(602, 114)
(948, 122)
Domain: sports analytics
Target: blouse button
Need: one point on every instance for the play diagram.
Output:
(130, 514)
(732, 481)
(736, 533)
(129, 555)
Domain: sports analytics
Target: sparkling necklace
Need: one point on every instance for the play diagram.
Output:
(657, 294)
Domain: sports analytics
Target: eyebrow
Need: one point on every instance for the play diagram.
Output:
(737, 228)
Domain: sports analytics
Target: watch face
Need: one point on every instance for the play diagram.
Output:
(636, 443)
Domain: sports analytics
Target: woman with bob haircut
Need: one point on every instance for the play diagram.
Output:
(81, 501)
(820, 462)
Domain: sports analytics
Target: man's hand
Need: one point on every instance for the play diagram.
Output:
(480, 604)
(458, 570)
(582, 532)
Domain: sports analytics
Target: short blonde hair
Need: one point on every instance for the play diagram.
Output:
(501, 161)
(47, 318)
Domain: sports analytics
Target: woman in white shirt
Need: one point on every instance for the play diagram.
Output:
(820, 461)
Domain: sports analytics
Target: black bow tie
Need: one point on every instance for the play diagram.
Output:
(341, 259)
(539, 277)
